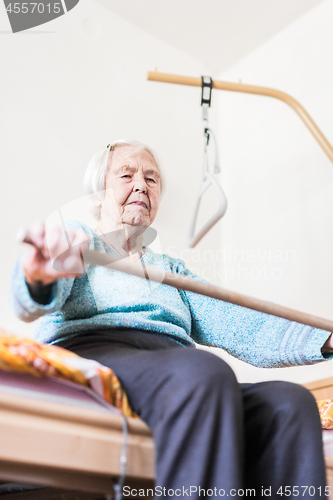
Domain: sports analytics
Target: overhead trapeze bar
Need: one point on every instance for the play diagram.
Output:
(252, 89)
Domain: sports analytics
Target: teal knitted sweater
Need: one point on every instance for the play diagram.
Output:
(107, 299)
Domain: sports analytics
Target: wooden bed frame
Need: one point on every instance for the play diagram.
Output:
(323, 389)
(61, 448)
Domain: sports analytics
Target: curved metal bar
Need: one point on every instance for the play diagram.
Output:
(252, 89)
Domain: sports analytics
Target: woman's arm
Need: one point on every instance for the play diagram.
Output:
(257, 338)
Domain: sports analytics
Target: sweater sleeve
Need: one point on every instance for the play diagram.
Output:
(258, 338)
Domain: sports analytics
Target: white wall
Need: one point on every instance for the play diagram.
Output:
(277, 234)
(67, 89)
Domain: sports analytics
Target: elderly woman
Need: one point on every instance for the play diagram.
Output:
(210, 432)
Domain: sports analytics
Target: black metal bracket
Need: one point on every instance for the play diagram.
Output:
(206, 90)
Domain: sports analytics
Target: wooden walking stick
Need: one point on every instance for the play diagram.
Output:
(183, 283)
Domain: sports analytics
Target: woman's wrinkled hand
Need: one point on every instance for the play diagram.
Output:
(56, 253)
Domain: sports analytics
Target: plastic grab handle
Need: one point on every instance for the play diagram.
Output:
(193, 239)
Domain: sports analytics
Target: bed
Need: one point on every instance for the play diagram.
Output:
(323, 389)
(64, 439)
(56, 435)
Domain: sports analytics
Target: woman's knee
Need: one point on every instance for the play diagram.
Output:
(288, 391)
(198, 383)
(291, 400)
(203, 369)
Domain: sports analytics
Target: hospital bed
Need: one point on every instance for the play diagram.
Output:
(61, 437)
(58, 435)
(323, 389)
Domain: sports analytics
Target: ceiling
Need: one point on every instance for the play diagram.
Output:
(218, 33)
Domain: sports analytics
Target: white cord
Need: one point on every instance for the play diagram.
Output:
(118, 488)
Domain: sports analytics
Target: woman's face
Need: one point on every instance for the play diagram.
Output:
(132, 188)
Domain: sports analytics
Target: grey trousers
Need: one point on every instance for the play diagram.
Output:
(212, 434)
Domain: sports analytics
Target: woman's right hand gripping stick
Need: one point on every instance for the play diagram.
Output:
(55, 253)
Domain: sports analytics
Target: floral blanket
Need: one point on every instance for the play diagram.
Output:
(25, 355)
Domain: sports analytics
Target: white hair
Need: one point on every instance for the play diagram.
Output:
(95, 175)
